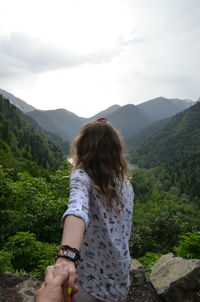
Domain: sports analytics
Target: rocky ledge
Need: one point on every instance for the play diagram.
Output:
(173, 279)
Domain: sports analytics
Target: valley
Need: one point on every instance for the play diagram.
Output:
(163, 152)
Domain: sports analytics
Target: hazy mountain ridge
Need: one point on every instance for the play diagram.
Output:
(129, 119)
(60, 121)
(20, 104)
(160, 108)
(105, 113)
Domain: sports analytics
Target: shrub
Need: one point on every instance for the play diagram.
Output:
(189, 246)
(148, 260)
(28, 253)
(5, 261)
(141, 241)
(158, 234)
(165, 228)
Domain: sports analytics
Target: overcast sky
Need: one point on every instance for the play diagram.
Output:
(86, 55)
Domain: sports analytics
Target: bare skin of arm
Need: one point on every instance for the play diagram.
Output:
(73, 232)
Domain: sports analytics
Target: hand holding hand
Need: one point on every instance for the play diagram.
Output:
(69, 286)
(58, 278)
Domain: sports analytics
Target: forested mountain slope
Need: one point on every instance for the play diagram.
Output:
(135, 140)
(129, 119)
(62, 145)
(176, 145)
(23, 147)
(60, 121)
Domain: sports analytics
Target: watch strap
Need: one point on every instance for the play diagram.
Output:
(69, 253)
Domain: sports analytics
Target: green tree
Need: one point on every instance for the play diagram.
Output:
(189, 245)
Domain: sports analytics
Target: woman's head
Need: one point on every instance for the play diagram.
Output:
(99, 151)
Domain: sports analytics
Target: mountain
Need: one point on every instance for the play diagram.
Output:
(60, 121)
(136, 139)
(175, 146)
(62, 145)
(20, 104)
(23, 147)
(105, 113)
(129, 119)
(160, 108)
(65, 123)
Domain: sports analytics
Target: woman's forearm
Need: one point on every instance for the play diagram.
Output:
(73, 231)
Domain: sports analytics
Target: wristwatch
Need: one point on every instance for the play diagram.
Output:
(69, 253)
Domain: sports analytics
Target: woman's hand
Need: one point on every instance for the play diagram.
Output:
(69, 286)
(56, 282)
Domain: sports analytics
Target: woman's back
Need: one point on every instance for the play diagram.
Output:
(105, 259)
(102, 197)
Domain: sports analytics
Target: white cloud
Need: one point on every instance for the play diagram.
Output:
(25, 54)
(93, 53)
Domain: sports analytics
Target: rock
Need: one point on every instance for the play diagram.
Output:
(141, 289)
(17, 288)
(173, 279)
(176, 279)
(26, 290)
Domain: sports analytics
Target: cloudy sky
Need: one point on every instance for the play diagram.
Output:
(86, 55)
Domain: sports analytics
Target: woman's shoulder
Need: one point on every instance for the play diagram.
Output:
(128, 184)
(80, 174)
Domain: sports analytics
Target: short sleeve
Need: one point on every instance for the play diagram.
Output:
(78, 203)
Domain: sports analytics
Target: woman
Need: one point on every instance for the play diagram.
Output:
(99, 216)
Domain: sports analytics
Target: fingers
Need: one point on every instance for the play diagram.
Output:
(49, 273)
(70, 291)
(74, 292)
(72, 277)
(68, 285)
(63, 275)
(75, 289)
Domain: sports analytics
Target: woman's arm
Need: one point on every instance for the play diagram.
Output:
(73, 232)
(75, 219)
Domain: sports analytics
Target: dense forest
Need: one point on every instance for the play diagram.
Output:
(22, 145)
(176, 147)
(34, 188)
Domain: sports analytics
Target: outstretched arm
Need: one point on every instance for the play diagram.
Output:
(76, 218)
(73, 232)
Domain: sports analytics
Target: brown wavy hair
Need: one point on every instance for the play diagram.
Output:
(99, 151)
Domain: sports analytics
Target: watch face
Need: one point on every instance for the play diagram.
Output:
(71, 254)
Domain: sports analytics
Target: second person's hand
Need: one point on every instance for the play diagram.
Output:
(69, 287)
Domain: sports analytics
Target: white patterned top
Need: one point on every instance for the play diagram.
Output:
(105, 259)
